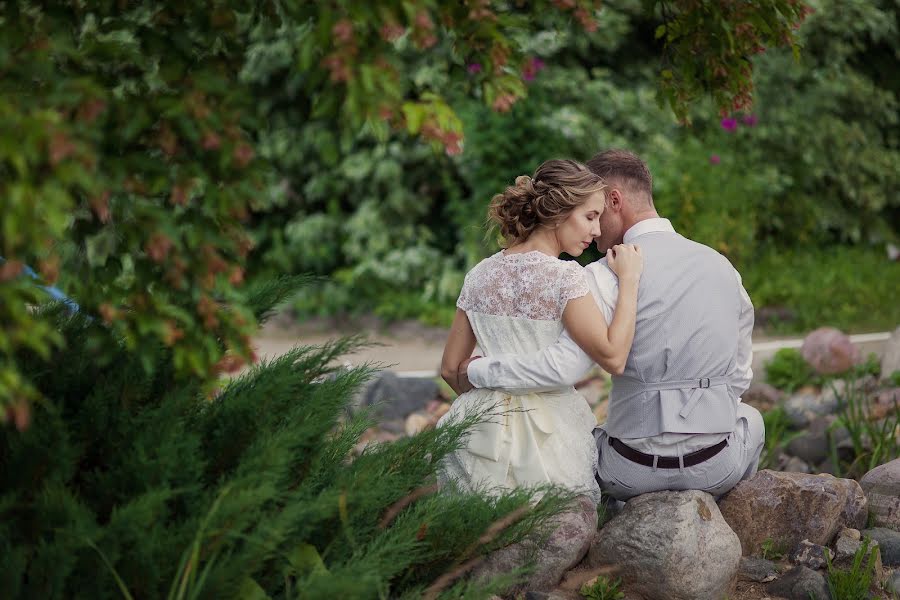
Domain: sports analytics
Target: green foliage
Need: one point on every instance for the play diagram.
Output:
(776, 425)
(603, 588)
(129, 484)
(771, 550)
(895, 378)
(854, 582)
(843, 287)
(875, 442)
(788, 370)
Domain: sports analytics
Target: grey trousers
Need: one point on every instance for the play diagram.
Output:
(623, 479)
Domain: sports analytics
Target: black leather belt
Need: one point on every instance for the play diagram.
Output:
(666, 462)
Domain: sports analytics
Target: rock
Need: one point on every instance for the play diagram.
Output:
(846, 546)
(889, 542)
(800, 583)
(563, 549)
(416, 423)
(811, 445)
(792, 464)
(670, 545)
(890, 360)
(756, 569)
(394, 398)
(811, 555)
(787, 508)
(762, 396)
(882, 488)
(804, 407)
(884, 403)
(829, 351)
(892, 585)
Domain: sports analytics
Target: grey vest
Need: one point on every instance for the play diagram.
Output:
(685, 343)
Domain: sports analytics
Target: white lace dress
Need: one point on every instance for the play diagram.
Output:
(515, 303)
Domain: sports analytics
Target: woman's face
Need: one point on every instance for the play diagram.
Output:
(582, 225)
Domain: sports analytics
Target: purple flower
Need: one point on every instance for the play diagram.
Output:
(750, 120)
(729, 124)
(531, 67)
(714, 159)
(474, 68)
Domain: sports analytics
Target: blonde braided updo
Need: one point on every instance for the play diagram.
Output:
(543, 200)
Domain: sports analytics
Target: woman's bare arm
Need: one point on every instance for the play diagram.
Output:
(608, 346)
(459, 347)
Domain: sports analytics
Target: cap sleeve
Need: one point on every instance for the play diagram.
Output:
(464, 302)
(574, 283)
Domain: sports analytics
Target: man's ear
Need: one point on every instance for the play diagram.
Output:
(614, 199)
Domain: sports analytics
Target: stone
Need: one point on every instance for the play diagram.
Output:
(553, 555)
(889, 542)
(811, 555)
(890, 359)
(892, 585)
(885, 403)
(394, 397)
(811, 445)
(417, 423)
(757, 569)
(800, 583)
(787, 508)
(829, 351)
(805, 407)
(845, 547)
(882, 488)
(670, 546)
(762, 396)
(792, 464)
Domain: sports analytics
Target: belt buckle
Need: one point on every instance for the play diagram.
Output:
(704, 383)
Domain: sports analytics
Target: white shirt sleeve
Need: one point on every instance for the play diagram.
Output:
(743, 373)
(561, 364)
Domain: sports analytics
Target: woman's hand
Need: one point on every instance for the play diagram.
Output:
(626, 261)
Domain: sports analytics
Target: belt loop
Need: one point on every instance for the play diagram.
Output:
(704, 383)
(655, 460)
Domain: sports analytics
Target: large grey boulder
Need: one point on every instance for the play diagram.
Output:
(786, 508)
(882, 488)
(670, 546)
(552, 555)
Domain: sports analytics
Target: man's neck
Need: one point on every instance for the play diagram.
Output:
(643, 215)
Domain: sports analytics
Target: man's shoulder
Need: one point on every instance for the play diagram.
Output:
(601, 273)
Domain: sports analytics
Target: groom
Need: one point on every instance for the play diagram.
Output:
(676, 420)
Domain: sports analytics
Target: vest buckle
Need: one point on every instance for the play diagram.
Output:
(704, 383)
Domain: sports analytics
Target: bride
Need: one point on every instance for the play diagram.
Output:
(518, 301)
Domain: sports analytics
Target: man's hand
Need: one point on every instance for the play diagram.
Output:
(462, 375)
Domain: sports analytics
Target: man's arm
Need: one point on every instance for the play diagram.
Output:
(743, 374)
(560, 364)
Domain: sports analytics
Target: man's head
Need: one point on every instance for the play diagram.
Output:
(629, 195)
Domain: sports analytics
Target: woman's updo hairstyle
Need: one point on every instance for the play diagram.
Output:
(544, 199)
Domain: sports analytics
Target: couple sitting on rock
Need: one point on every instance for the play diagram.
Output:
(666, 316)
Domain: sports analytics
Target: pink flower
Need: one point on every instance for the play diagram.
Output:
(531, 68)
(750, 120)
(729, 124)
(715, 159)
(474, 68)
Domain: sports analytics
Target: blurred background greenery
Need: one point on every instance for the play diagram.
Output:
(800, 191)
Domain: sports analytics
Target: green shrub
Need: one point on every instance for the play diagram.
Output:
(788, 370)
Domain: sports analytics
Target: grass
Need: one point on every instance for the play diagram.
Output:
(602, 588)
(874, 442)
(854, 582)
(772, 550)
(853, 289)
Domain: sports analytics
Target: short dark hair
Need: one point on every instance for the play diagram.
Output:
(623, 166)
